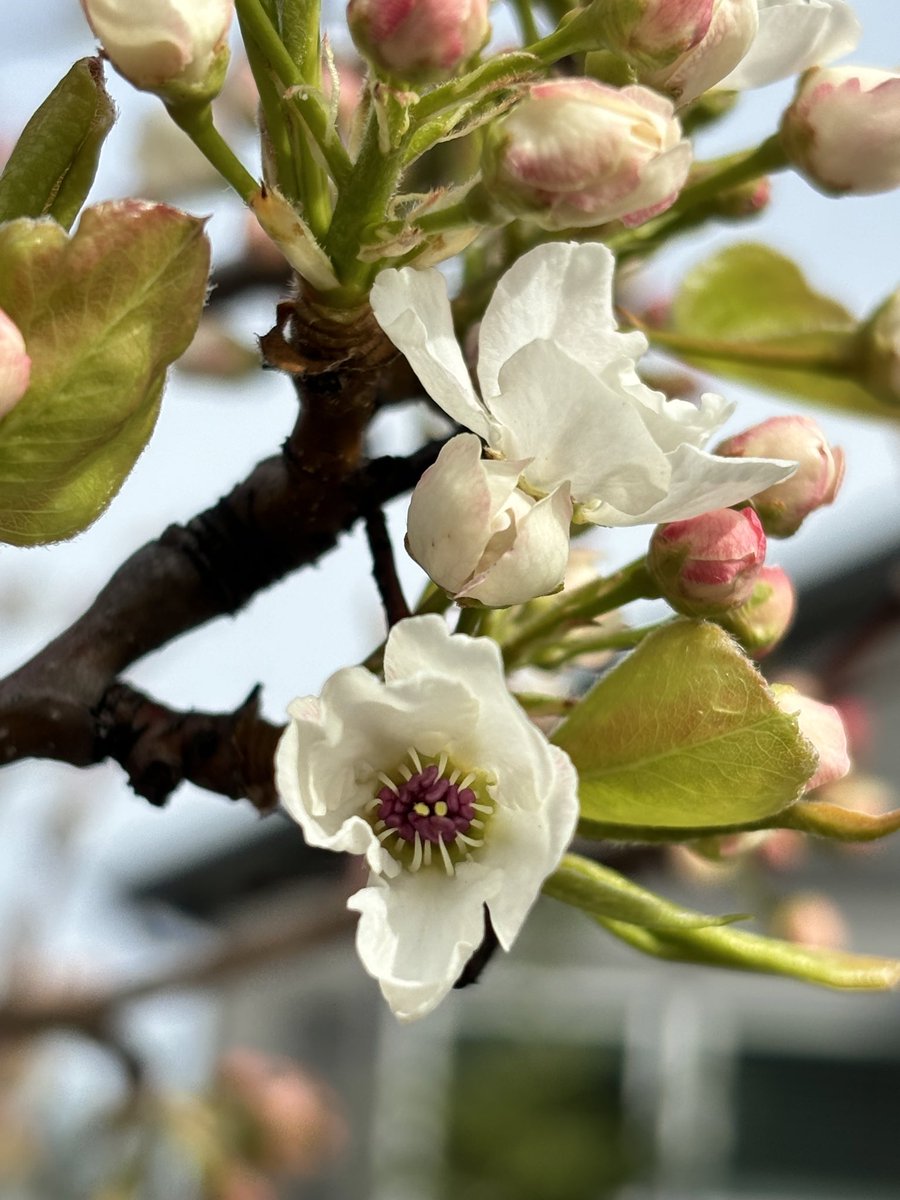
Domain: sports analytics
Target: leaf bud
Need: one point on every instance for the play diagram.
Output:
(15, 365)
(761, 622)
(820, 470)
(418, 40)
(840, 130)
(708, 564)
(177, 48)
(576, 153)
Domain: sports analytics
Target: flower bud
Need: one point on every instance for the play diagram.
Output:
(178, 48)
(479, 536)
(15, 365)
(810, 919)
(880, 350)
(576, 153)
(418, 40)
(683, 47)
(764, 618)
(820, 469)
(841, 129)
(820, 724)
(708, 564)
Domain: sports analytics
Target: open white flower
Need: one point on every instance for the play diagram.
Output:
(456, 800)
(794, 35)
(563, 411)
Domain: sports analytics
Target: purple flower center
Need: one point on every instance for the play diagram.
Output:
(429, 808)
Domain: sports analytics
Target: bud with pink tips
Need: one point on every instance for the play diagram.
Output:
(841, 130)
(418, 40)
(709, 564)
(178, 48)
(15, 365)
(576, 153)
(762, 621)
(816, 482)
(820, 724)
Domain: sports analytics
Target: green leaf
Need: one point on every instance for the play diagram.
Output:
(684, 736)
(52, 167)
(744, 951)
(103, 314)
(605, 893)
(754, 301)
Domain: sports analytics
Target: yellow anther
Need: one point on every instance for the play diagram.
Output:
(422, 809)
(440, 809)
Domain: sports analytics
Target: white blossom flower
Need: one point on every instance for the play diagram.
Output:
(456, 800)
(794, 35)
(562, 406)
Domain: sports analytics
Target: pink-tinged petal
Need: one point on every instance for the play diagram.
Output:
(413, 309)
(822, 725)
(560, 292)
(15, 364)
(794, 36)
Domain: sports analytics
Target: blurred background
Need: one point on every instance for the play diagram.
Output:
(227, 1044)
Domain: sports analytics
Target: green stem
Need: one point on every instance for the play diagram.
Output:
(624, 639)
(471, 620)
(732, 171)
(500, 70)
(527, 23)
(197, 123)
(538, 705)
(276, 128)
(454, 216)
(300, 33)
(583, 604)
(573, 35)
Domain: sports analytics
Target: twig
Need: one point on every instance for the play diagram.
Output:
(384, 569)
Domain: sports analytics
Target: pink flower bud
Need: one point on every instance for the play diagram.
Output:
(841, 129)
(682, 47)
(764, 618)
(15, 365)
(820, 724)
(575, 153)
(820, 469)
(178, 47)
(418, 39)
(708, 564)
(809, 919)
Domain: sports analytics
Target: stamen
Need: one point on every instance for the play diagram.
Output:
(383, 837)
(373, 803)
(406, 772)
(467, 782)
(483, 808)
(428, 854)
(461, 837)
(422, 809)
(416, 761)
(442, 764)
(448, 865)
(379, 825)
(388, 782)
(417, 855)
(476, 823)
(454, 776)
(440, 809)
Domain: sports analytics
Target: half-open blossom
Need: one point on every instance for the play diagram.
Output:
(784, 506)
(821, 724)
(163, 44)
(15, 364)
(562, 406)
(708, 564)
(456, 800)
(841, 130)
(575, 152)
(418, 39)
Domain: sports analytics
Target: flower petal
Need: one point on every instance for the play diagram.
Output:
(416, 933)
(413, 309)
(560, 292)
(794, 35)
(672, 422)
(535, 564)
(576, 425)
(452, 510)
(699, 483)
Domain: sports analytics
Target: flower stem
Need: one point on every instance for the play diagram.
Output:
(471, 620)
(197, 123)
(622, 639)
(732, 171)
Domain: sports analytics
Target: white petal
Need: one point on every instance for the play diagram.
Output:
(535, 564)
(526, 844)
(416, 933)
(672, 422)
(561, 292)
(413, 309)
(576, 425)
(792, 36)
(701, 482)
(452, 510)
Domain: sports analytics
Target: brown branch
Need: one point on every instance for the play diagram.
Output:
(384, 569)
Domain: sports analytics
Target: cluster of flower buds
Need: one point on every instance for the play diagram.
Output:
(177, 48)
(841, 129)
(708, 564)
(15, 364)
(820, 470)
(418, 40)
(576, 153)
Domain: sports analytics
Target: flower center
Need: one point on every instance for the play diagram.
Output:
(433, 807)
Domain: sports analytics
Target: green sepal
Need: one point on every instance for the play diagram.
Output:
(684, 735)
(602, 892)
(103, 314)
(755, 302)
(52, 167)
(838, 823)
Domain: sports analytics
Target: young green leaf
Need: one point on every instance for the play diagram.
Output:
(103, 314)
(52, 167)
(684, 735)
